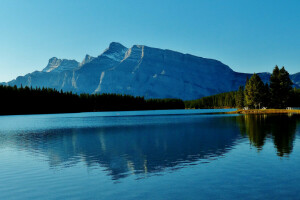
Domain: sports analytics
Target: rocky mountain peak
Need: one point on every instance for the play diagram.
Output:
(87, 59)
(53, 63)
(140, 71)
(115, 51)
(56, 64)
(116, 46)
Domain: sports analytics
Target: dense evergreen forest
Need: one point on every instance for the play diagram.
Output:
(232, 100)
(39, 101)
(255, 94)
(223, 100)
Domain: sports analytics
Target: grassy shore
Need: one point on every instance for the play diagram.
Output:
(264, 111)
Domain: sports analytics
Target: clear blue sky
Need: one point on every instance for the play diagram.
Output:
(249, 36)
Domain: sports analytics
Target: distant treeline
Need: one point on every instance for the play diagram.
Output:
(27, 100)
(255, 94)
(223, 100)
(229, 100)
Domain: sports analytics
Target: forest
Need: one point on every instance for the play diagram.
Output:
(278, 93)
(25, 100)
(223, 100)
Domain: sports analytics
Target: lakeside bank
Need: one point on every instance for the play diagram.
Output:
(264, 111)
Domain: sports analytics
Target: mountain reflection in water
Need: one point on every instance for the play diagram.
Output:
(150, 148)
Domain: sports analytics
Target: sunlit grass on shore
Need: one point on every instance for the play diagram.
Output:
(264, 111)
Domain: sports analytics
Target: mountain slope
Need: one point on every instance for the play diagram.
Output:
(296, 79)
(140, 71)
(59, 65)
(88, 76)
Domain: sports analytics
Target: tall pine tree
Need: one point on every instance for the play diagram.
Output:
(239, 101)
(280, 88)
(275, 87)
(266, 96)
(286, 88)
(254, 91)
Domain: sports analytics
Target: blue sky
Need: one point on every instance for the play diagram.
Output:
(249, 36)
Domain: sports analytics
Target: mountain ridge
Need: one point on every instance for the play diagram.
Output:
(140, 71)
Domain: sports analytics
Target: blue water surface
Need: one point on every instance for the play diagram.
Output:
(178, 154)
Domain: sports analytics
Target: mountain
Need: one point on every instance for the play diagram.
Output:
(140, 71)
(86, 59)
(59, 65)
(296, 79)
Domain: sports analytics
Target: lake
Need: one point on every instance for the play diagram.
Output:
(177, 154)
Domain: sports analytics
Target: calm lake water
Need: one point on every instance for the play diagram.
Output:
(179, 154)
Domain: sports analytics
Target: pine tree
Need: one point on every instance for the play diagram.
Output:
(275, 87)
(254, 91)
(286, 88)
(240, 97)
(266, 96)
(280, 88)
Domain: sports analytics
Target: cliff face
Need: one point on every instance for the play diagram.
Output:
(140, 71)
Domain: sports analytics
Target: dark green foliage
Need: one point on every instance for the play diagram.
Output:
(280, 88)
(240, 98)
(37, 101)
(255, 95)
(254, 91)
(266, 96)
(223, 100)
(286, 88)
(295, 98)
(275, 87)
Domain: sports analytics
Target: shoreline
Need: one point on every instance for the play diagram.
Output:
(265, 111)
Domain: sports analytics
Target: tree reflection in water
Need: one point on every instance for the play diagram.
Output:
(143, 149)
(280, 128)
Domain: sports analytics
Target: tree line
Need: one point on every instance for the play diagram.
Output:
(25, 100)
(278, 93)
(223, 100)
